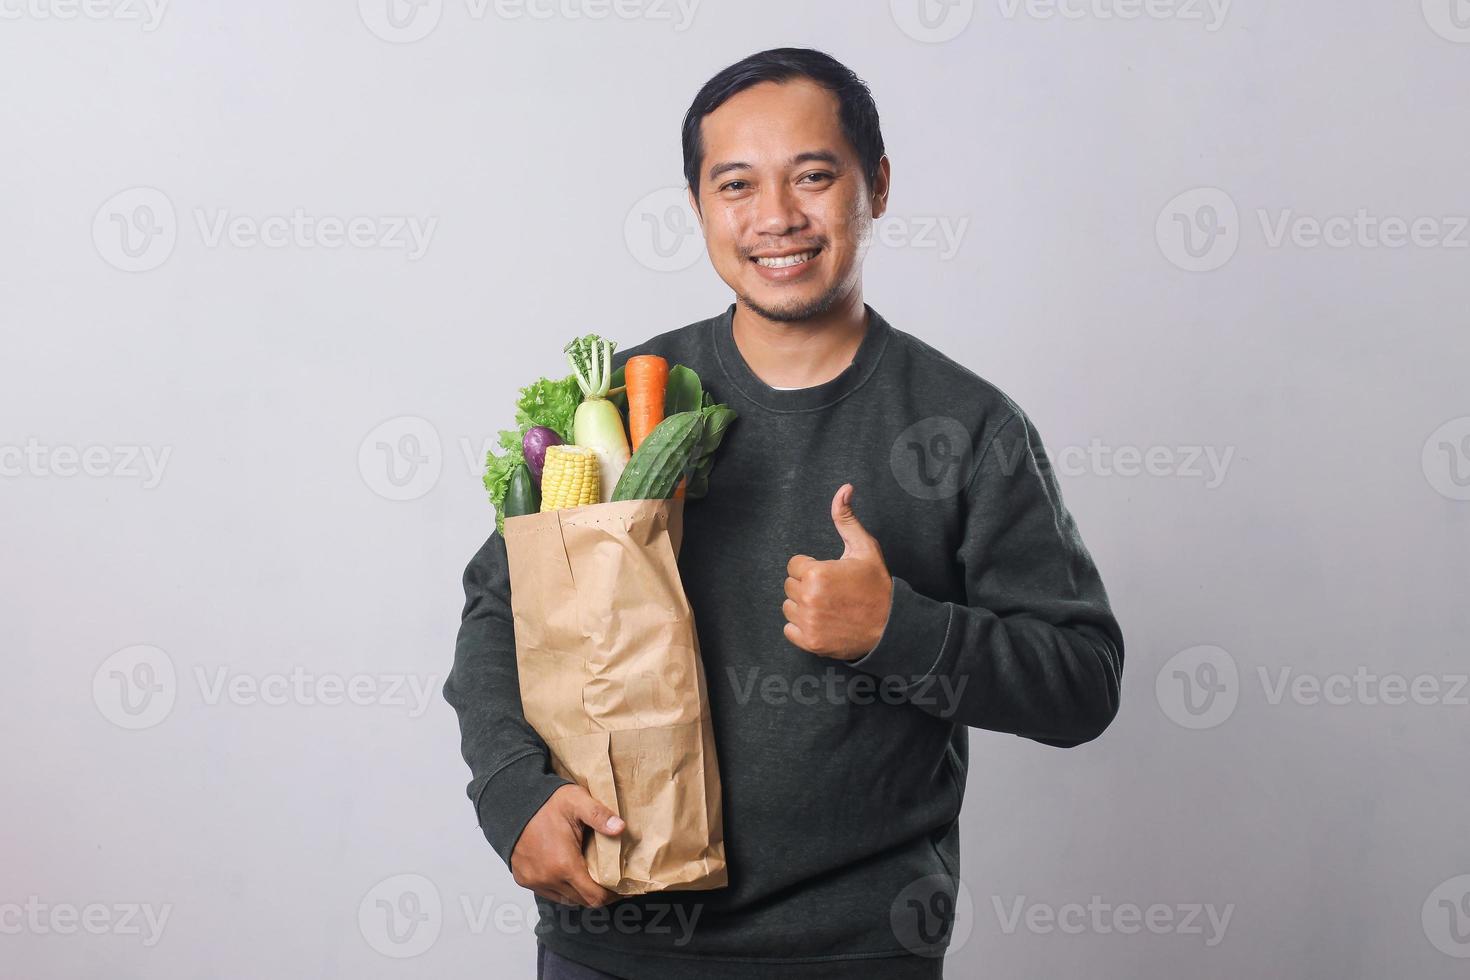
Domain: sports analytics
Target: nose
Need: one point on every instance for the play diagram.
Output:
(777, 211)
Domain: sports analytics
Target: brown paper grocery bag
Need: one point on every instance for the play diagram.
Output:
(611, 679)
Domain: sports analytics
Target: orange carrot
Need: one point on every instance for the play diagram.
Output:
(647, 379)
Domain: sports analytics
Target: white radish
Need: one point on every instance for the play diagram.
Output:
(597, 424)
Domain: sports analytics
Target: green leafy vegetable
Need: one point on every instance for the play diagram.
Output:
(549, 403)
(556, 404)
(544, 402)
(684, 393)
(717, 420)
(498, 470)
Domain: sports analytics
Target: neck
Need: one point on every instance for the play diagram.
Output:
(801, 353)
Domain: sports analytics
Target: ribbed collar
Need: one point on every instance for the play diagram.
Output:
(875, 339)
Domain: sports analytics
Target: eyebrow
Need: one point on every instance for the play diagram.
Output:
(821, 156)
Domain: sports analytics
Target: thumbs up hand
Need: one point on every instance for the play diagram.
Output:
(838, 608)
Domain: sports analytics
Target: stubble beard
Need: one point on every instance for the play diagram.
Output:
(797, 310)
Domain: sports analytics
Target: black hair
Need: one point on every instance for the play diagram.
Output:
(856, 110)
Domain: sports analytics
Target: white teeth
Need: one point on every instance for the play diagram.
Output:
(784, 260)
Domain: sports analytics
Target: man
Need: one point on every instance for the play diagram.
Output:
(850, 639)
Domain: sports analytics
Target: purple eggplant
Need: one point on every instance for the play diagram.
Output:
(533, 447)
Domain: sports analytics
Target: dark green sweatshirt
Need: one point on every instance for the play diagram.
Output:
(842, 781)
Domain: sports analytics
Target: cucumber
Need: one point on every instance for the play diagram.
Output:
(521, 496)
(661, 459)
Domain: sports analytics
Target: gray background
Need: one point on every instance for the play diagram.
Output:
(284, 382)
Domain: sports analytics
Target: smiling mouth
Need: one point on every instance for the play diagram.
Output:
(785, 261)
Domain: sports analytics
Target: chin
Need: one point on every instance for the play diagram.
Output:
(785, 306)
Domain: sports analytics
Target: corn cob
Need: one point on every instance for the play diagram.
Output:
(570, 478)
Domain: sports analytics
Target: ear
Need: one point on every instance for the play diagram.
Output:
(880, 188)
(694, 206)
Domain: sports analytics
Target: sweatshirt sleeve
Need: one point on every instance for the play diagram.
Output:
(1035, 649)
(509, 763)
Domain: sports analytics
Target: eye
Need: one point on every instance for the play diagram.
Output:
(731, 185)
(818, 174)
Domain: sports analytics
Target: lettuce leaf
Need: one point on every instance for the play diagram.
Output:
(549, 403)
(498, 469)
(544, 402)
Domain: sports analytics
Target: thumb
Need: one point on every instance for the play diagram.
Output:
(595, 815)
(857, 542)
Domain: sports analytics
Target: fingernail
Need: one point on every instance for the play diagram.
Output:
(614, 824)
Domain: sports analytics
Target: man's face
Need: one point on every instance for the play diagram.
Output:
(780, 184)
